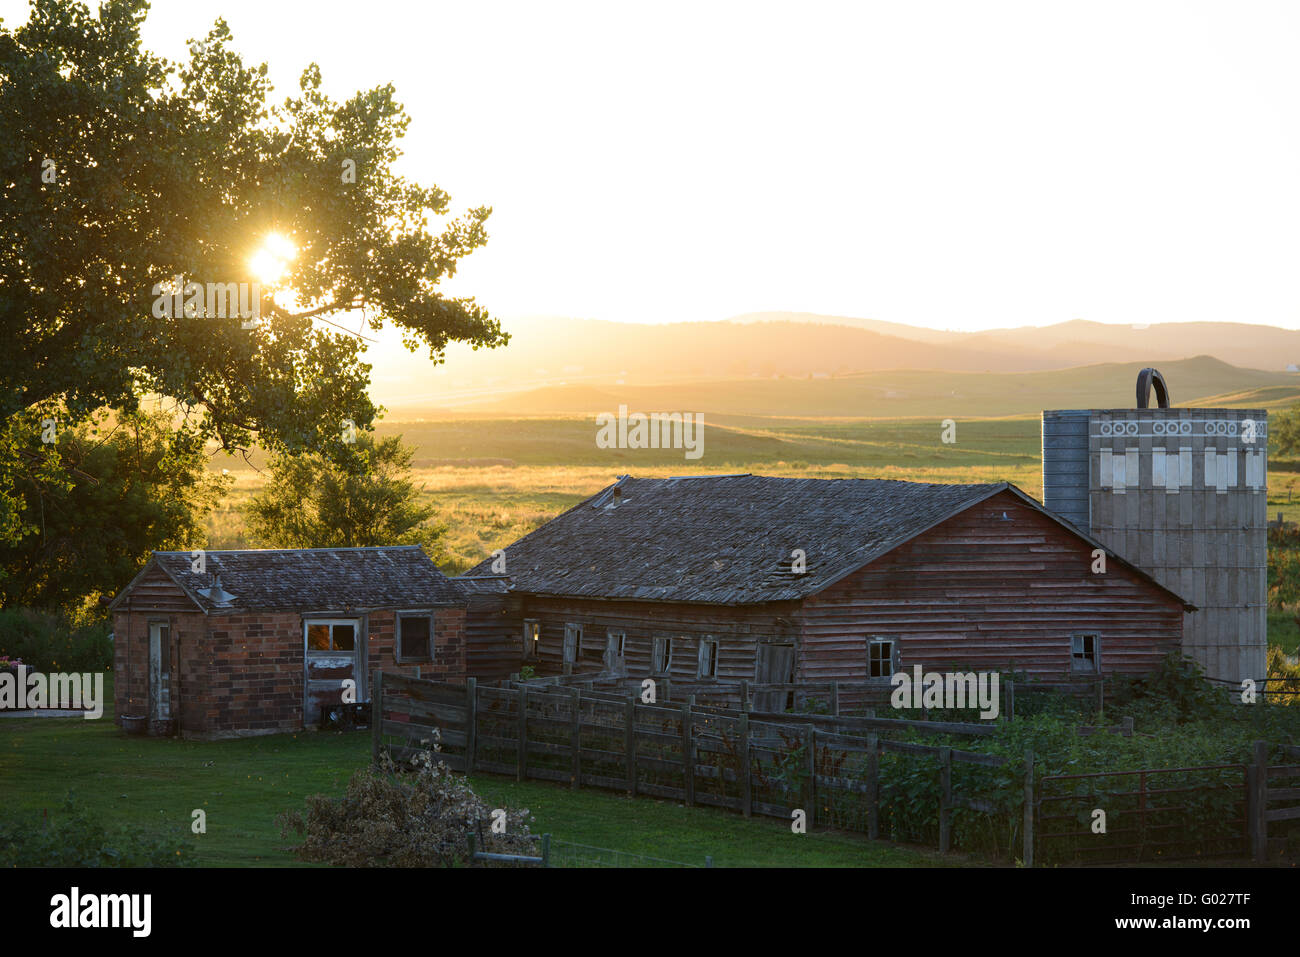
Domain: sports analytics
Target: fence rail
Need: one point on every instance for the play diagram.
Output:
(842, 772)
(748, 762)
(836, 698)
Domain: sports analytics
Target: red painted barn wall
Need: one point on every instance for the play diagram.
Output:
(977, 593)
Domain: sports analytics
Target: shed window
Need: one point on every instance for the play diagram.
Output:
(532, 638)
(708, 667)
(1084, 652)
(661, 659)
(331, 636)
(414, 637)
(880, 657)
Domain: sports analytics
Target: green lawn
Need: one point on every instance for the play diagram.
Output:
(243, 784)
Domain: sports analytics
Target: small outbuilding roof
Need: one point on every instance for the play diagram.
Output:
(731, 539)
(400, 576)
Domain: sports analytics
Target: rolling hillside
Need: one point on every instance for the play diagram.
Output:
(898, 394)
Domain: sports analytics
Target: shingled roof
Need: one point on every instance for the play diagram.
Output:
(729, 539)
(311, 578)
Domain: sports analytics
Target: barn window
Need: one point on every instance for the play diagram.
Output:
(572, 644)
(532, 638)
(615, 641)
(661, 659)
(1085, 650)
(880, 657)
(414, 637)
(708, 658)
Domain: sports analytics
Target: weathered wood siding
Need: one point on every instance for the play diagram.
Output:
(738, 629)
(979, 593)
(493, 637)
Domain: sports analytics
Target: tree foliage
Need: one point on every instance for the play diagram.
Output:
(120, 170)
(124, 486)
(359, 499)
(1284, 431)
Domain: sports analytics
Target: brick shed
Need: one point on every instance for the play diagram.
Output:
(259, 640)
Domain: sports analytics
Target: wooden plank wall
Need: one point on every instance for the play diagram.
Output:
(977, 593)
(737, 629)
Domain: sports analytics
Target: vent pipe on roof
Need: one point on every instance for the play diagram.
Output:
(1146, 379)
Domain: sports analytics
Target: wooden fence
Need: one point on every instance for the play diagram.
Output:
(1275, 796)
(747, 762)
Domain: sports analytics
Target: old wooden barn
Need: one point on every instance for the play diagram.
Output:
(786, 579)
(258, 642)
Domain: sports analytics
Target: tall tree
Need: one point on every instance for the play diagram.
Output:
(120, 170)
(125, 487)
(368, 498)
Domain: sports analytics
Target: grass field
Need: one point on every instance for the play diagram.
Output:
(243, 784)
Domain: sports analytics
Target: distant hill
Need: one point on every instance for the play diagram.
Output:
(902, 393)
(556, 359)
(1080, 342)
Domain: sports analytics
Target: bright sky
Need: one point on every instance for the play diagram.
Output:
(955, 165)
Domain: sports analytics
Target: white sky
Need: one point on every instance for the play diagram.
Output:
(955, 165)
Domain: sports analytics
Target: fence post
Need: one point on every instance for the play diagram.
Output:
(471, 722)
(873, 786)
(945, 799)
(1261, 802)
(812, 774)
(629, 744)
(575, 739)
(1010, 685)
(688, 755)
(835, 698)
(376, 715)
(473, 845)
(744, 695)
(1252, 810)
(521, 754)
(1029, 808)
(746, 791)
(546, 850)
(1101, 698)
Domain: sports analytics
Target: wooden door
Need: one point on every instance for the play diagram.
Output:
(160, 679)
(330, 653)
(774, 664)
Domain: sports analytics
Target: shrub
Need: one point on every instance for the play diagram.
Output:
(47, 642)
(77, 838)
(395, 817)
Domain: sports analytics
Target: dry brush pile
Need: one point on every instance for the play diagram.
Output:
(404, 816)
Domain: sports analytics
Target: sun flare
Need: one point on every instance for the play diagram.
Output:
(271, 261)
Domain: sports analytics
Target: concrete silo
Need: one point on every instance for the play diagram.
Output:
(1183, 494)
